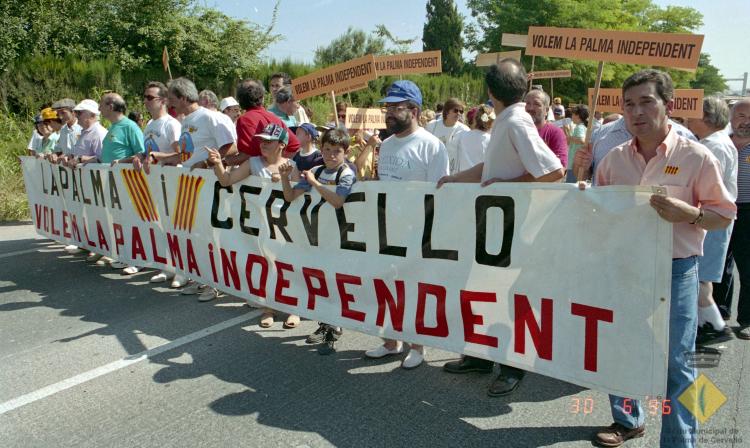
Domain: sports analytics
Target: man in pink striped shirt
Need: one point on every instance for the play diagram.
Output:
(696, 201)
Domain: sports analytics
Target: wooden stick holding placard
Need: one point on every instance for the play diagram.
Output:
(335, 112)
(531, 80)
(590, 128)
(552, 87)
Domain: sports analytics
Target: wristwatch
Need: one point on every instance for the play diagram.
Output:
(700, 216)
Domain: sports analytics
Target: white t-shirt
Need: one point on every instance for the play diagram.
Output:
(161, 133)
(36, 141)
(229, 123)
(722, 147)
(472, 146)
(449, 136)
(205, 128)
(259, 168)
(516, 148)
(419, 156)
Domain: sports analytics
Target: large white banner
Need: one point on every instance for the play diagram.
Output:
(566, 283)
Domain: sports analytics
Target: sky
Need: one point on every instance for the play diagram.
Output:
(308, 24)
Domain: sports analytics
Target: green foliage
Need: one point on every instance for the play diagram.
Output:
(203, 43)
(352, 44)
(15, 132)
(708, 78)
(495, 17)
(42, 79)
(442, 31)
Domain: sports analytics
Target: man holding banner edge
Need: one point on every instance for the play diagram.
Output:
(697, 201)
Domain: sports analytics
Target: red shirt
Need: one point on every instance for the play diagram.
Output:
(555, 138)
(252, 123)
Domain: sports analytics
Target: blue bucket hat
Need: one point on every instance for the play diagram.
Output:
(402, 91)
(310, 128)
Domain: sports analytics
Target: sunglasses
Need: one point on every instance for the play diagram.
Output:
(460, 111)
(150, 97)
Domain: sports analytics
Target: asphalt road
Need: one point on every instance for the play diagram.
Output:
(92, 358)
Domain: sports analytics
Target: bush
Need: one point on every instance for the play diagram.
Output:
(15, 132)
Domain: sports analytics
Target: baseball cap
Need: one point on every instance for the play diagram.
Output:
(228, 102)
(38, 119)
(89, 106)
(402, 90)
(49, 114)
(65, 103)
(558, 110)
(274, 132)
(308, 127)
(557, 100)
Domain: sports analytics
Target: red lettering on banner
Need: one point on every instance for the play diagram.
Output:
(470, 319)
(102, 239)
(119, 237)
(137, 246)
(524, 318)
(66, 234)
(229, 268)
(192, 263)
(282, 283)
(395, 307)
(312, 291)
(52, 222)
(592, 315)
(154, 249)
(253, 259)
(46, 219)
(86, 233)
(38, 215)
(74, 227)
(341, 281)
(175, 254)
(437, 291)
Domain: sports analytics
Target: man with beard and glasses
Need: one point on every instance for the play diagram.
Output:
(409, 154)
(739, 244)
(516, 153)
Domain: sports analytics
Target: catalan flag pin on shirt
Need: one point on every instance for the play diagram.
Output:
(671, 169)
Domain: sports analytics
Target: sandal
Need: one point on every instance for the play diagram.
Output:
(292, 321)
(266, 319)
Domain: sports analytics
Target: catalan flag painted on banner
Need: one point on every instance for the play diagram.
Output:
(188, 190)
(140, 194)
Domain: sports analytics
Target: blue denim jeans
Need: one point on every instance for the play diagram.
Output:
(679, 427)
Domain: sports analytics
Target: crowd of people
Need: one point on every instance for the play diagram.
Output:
(519, 135)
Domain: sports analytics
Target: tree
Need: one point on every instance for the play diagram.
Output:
(443, 31)
(133, 33)
(352, 44)
(707, 77)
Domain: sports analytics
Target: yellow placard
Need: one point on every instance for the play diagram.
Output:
(487, 59)
(629, 47)
(361, 118)
(547, 74)
(688, 103)
(405, 64)
(335, 78)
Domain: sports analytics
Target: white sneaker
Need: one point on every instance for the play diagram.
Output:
(413, 359)
(193, 288)
(92, 257)
(118, 265)
(104, 261)
(383, 351)
(179, 281)
(162, 276)
(209, 294)
(130, 270)
(73, 249)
